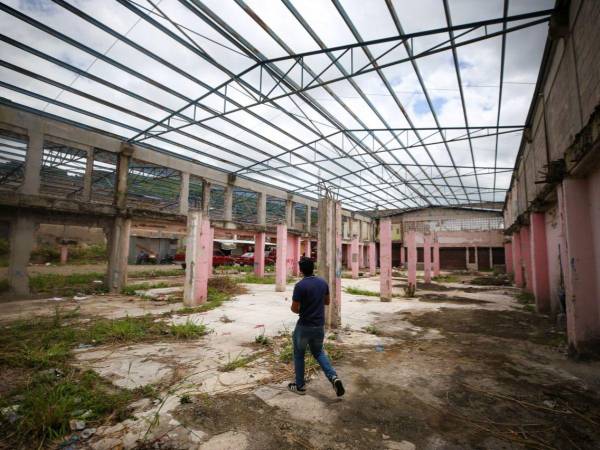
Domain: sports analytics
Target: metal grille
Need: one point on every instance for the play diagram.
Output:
(153, 187)
(216, 207)
(300, 214)
(104, 176)
(195, 194)
(12, 162)
(275, 210)
(314, 218)
(245, 206)
(63, 170)
(467, 224)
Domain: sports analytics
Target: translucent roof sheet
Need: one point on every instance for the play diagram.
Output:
(399, 104)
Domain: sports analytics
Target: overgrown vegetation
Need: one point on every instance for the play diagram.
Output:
(251, 278)
(358, 291)
(220, 289)
(132, 288)
(84, 283)
(446, 278)
(237, 362)
(527, 300)
(371, 329)
(156, 273)
(262, 339)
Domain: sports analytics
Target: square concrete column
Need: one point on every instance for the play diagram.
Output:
(295, 247)
(118, 254)
(476, 258)
(261, 212)
(281, 263)
(427, 258)
(206, 187)
(86, 194)
(228, 203)
(491, 258)
(508, 257)
(64, 253)
(330, 257)
(307, 248)
(308, 219)
(517, 264)
(211, 250)
(577, 204)
(411, 245)
(526, 257)
(197, 259)
(361, 255)
(436, 257)
(385, 260)
(22, 242)
(122, 173)
(184, 193)
(402, 255)
(467, 256)
(539, 262)
(354, 262)
(372, 259)
(259, 254)
(33, 159)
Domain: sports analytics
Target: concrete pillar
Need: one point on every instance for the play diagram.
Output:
(330, 257)
(436, 257)
(184, 193)
(491, 258)
(517, 264)
(476, 258)
(228, 203)
(508, 257)
(289, 213)
(361, 255)
(307, 248)
(467, 256)
(539, 262)
(402, 255)
(355, 257)
(348, 256)
(211, 250)
(427, 258)
(411, 245)
(372, 259)
(385, 259)
(64, 253)
(198, 259)
(118, 254)
(33, 159)
(308, 219)
(122, 172)
(22, 241)
(296, 246)
(206, 187)
(526, 257)
(86, 194)
(281, 263)
(583, 315)
(261, 212)
(259, 254)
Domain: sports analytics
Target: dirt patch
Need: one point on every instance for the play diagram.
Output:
(433, 298)
(426, 286)
(491, 280)
(503, 324)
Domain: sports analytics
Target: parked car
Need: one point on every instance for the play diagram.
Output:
(247, 259)
(219, 258)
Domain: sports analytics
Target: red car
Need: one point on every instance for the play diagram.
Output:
(219, 259)
(247, 259)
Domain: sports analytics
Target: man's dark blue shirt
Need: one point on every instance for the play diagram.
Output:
(310, 292)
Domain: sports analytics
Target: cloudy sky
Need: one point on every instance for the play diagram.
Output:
(122, 66)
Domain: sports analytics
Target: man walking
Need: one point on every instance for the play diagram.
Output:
(310, 296)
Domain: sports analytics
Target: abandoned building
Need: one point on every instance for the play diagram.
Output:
(165, 165)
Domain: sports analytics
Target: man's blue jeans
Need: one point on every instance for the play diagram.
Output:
(311, 337)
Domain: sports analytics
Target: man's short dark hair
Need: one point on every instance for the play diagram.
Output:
(307, 266)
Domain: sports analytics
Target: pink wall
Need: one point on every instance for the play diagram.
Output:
(554, 240)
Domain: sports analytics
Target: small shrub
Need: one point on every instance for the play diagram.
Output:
(262, 339)
(188, 330)
(237, 362)
(357, 291)
(371, 329)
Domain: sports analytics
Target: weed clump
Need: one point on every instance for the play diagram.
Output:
(358, 291)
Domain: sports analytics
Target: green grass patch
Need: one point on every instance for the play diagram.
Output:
(132, 288)
(188, 330)
(156, 273)
(86, 283)
(358, 291)
(262, 339)
(371, 329)
(4, 286)
(525, 298)
(237, 362)
(446, 279)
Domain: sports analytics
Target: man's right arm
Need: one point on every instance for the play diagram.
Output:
(326, 299)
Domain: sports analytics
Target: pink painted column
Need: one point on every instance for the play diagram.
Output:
(281, 263)
(64, 254)
(385, 260)
(259, 254)
(297, 254)
(583, 308)
(517, 265)
(539, 262)
(372, 259)
(361, 256)
(427, 258)
(402, 255)
(197, 256)
(355, 257)
(348, 256)
(307, 248)
(211, 250)
(508, 257)
(436, 257)
(411, 245)
(526, 256)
